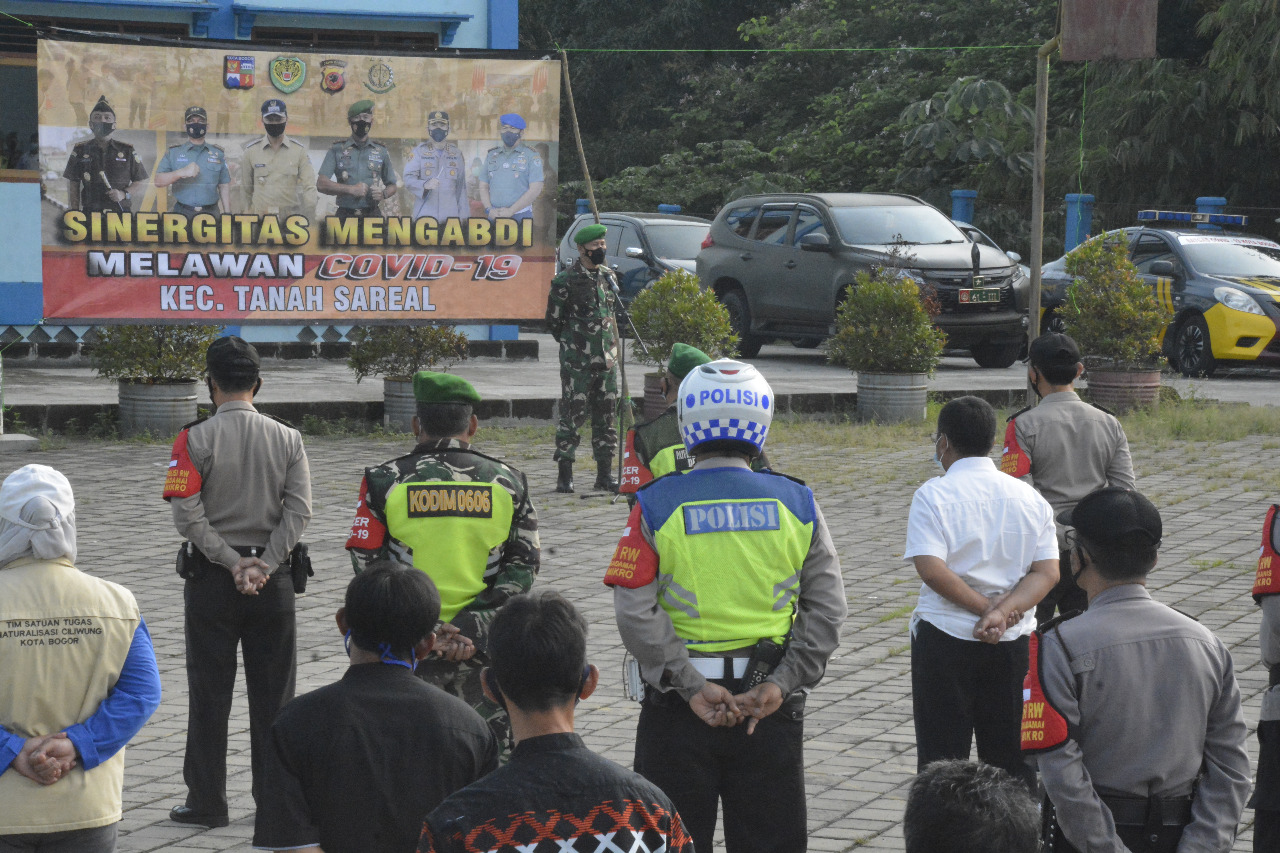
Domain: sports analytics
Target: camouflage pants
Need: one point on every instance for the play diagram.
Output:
(463, 680)
(583, 391)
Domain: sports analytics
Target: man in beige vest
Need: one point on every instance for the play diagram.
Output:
(78, 677)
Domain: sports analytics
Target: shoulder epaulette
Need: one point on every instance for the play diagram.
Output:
(493, 149)
(215, 146)
(179, 145)
(785, 476)
(1058, 620)
(1021, 411)
(452, 148)
(1103, 408)
(198, 420)
(277, 420)
(560, 277)
(253, 142)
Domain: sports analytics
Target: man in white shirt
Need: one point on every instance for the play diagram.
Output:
(985, 547)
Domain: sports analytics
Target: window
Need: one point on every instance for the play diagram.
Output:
(630, 239)
(1150, 249)
(19, 124)
(773, 225)
(740, 219)
(809, 221)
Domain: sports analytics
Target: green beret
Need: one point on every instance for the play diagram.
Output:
(587, 233)
(431, 387)
(685, 358)
(365, 106)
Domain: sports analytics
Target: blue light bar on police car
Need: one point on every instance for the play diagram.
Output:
(1193, 217)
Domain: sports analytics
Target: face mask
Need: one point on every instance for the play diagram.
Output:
(1035, 384)
(1079, 567)
(438, 134)
(937, 460)
(197, 131)
(361, 128)
(275, 129)
(596, 256)
(510, 139)
(102, 129)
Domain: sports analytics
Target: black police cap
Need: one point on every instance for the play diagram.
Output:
(1115, 516)
(232, 356)
(1053, 350)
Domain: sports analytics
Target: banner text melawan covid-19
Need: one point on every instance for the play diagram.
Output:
(246, 259)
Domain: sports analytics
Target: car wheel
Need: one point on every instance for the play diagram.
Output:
(735, 302)
(1192, 350)
(996, 355)
(808, 343)
(1053, 322)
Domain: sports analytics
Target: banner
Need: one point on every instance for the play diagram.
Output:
(402, 188)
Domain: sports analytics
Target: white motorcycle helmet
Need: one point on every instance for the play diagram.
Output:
(725, 400)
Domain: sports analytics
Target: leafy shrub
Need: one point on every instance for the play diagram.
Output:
(675, 309)
(398, 352)
(1110, 311)
(884, 325)
(153, 355)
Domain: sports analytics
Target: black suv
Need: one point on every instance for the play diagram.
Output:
(781, 264)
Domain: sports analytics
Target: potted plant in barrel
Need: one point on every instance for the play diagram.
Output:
(885, 334)
(675, 309)
(396, 353)
(157, 368)
(1115, 318)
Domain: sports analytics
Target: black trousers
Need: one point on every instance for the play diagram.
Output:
(962, 690)
(1066, 596)
(757, 779)
(217, 618)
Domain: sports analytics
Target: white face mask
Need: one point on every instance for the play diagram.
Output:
(938, 459)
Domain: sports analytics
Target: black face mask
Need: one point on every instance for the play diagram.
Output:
(510, 139)
(1035, 384)
(596, 256)
(102, 129)
(361, 128)
(438, 134)
(197, 131)
(275, 129)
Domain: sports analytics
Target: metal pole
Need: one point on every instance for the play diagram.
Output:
(1037, 191)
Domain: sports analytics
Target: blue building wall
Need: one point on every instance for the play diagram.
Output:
(470, 24)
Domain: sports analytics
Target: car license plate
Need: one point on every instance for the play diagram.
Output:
(982, 295)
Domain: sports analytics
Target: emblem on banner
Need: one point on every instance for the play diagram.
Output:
(333, 75)
(288, 73)
(381, 78)
(237, 72)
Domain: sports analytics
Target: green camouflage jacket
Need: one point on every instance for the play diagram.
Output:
(510, 567)
(580, 315)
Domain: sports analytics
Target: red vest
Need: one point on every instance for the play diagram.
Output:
(1267, 581)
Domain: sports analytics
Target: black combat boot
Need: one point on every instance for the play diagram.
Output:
(604, 476)
(564, 483)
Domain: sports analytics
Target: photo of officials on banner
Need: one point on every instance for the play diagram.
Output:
(211, 184)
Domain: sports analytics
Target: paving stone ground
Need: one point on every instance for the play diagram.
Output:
(859, 751)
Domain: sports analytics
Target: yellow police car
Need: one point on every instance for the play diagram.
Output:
(1223, 288)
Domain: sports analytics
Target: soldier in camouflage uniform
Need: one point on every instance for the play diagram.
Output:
(580, 316)
(463, 518)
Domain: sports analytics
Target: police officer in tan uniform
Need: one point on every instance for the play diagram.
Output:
(1064, 447)
(275, 170)
(1131, 709)
(240, 490)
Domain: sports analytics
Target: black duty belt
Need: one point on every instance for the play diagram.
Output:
(179, 207)
(1273, 676)
(1140, 811)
